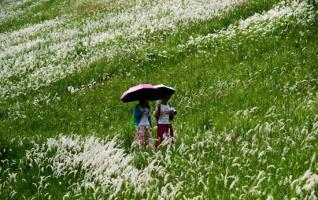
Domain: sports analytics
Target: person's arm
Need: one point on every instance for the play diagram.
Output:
(157, 112)
(137, 111)
(172, 110)
(137, 114)
(149, 118)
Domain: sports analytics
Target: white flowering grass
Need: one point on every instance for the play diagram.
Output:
(260, 24)
(10, 9)
(36, 56)
(104, 165)
(246, 127)
(210, 165)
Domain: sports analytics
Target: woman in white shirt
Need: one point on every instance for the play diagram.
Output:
(164, 114)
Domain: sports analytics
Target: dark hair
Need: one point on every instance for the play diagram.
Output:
(142, 102)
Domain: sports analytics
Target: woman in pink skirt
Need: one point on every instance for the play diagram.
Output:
(142, 120)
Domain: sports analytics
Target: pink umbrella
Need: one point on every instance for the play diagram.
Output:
(141, 91)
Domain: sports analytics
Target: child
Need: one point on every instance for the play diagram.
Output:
(164, 115)
(142, 116)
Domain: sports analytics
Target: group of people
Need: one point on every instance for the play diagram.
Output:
(164, 114)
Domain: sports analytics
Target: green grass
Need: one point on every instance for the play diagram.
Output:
(213, 83)
(138, 65)
(32, 12)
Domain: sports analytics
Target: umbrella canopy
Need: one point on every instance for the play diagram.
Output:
(166, 90)
(141, 91)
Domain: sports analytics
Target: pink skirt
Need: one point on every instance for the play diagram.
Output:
(143, 135)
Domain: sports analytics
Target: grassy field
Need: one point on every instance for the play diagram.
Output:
(246, 77)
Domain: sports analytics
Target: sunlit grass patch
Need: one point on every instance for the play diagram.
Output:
(82, 8)
(70, 45)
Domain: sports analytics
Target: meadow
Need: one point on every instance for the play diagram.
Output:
(246, 77)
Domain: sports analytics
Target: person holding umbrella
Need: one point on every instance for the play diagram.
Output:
(164, 114)
(141, 112)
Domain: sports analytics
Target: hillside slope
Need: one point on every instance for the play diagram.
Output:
(246, 78)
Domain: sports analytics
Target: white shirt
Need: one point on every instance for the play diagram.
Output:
(144, 117)
(164, 114)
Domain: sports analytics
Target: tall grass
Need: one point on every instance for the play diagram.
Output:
(246, 126)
